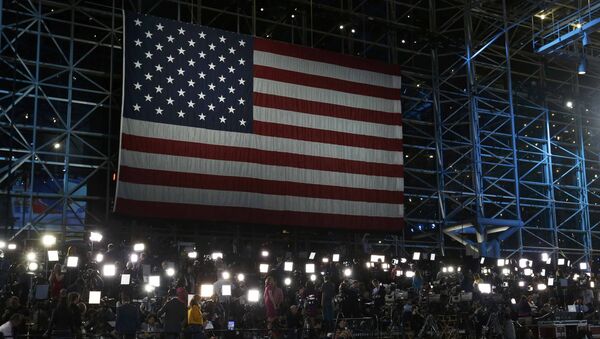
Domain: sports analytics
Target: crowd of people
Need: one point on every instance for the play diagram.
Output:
(254, 293)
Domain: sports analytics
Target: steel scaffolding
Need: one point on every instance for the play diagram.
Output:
(495, 161)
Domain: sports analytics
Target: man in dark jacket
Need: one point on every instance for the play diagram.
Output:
(174, 315)
(128, 318)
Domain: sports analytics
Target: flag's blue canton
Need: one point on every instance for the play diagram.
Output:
(186, 74)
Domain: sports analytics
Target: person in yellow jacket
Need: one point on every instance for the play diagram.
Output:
(195, 320)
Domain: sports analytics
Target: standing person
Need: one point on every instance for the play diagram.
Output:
(56, 281)
(75, 313)
(61, 322)
(128, 318)
(273, 297)
(327, 295)
(195, 318)
(175, 315)
(8, 328)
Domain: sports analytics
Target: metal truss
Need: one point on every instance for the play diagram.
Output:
(494, 160)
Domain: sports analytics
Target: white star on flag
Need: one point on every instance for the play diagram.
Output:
(148, 76)
(170, 79)
(138, 22)
(136, 107)
(148, 97)
(181, 114)
(211, 107)
(202, 35)
(170, 58)
(201, 116)
(201, 96)
(181, 31)
(181, 92)
(159, 110)
(191, 104)
(241, 101)
(149, 35)
(170, 101)
(158, 47)
(231, 50)
(159, 26)
(222, 39)
(242, 81)
(231, 109)
(170, 38)
(242, 43)
(137, 85)
(138, 42)
(211, 86)
(242, 122)
(138, 64)
(221, 98)
(158, 89)
(222, 119)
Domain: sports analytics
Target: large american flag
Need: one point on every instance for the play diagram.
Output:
(228, 127)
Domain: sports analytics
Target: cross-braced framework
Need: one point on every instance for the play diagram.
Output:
(495, 160)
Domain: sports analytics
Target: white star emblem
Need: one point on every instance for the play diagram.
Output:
(211, 47)
(138, 22)
(202, 55)
(159, 110)
(181, 31)
(191, 83)
(138, 64)
(148, 76)
(158, 89)
(192, 43)
(202, 75)
(170, 79)
(181, 50)
(231, 50)
(211, 107)
(231, 69)
(242, 61)
(201, 96)
(148, 97)
(231, 109)
(221, 58)
(222, 78)
(191, 104)
(149, 55)
(170, 38)
(158, 68)
(222, 119)
(159, 47)
(201, 116)
(242, 43)
(159, 27)
(202, 35)
(211, 86)
(231, 89)
(211, 66)
(136, 107)
(138, 42)
(170, 101)
(221, 98)
(181, 92)
(137, 85)
(148, 35)
(241, 101)
(222, 39)
(191, 62)
(180, 71)
(170, 58)
(242, 122)
(181, 114)
(242, 81)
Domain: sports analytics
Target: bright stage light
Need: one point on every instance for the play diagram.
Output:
(325, 260)
(288, 266)
(263, 268)
(2, 245)
(226, 290)
(313, 277)
(48, 240)
(216, 255)
(312, 255)
(416, 256)
(99, 257)
(432, 257)
(253, 295)
(139, 247)
(149, 288)
(545, 257)
(377, 258)
(125, 279)
(583, 266)
(264, 253)
(133, 258)
(541, 287)
(12, 247)
(31, 256)
(95, 236)
(521, 283)
(287, 281)
(522, 263)
(33, 266)
(53, 256)
(347, 272)
(225, 275)
(241, 277)
(170, 271)
(310, 268)
(550, 281)
(192, 255)
(528, 272)
(72, 261)
(206, 290)
(335, 258)
(501, 263)
(485, 288)
(561, 261)
(94, 297)
(109, 270)
(410, 274)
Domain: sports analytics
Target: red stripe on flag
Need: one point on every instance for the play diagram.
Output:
(320, 55)
(252, 215)
(326, 136)
(242, 184)
(245, 154)
(304, 79)
(329, 110)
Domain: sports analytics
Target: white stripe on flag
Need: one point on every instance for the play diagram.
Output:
(326, 123)
(289, 90)
(325, 69)
(182, 164)
(233, 139)
(180, 195)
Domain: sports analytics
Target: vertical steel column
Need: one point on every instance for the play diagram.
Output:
(67, 148)
(474, 127)
(549, 175)
(582, 179)
(512, 124)
(437, 117)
